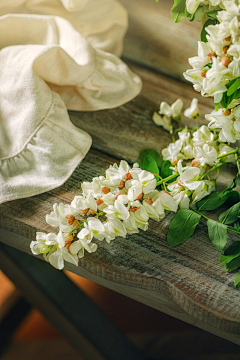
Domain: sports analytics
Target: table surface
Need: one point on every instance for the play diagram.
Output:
(187, 281)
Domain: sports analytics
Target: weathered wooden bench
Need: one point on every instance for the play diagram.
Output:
(187, 281)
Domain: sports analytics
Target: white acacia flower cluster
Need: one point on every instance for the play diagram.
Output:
(120, 203)
(166, 113)
(228, 120)
(202, 7)
(198, 150)
(218, 60)
(202, 147)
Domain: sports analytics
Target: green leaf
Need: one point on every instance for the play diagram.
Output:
(212, 14)
(166, 171)
(233, 265)
(182, 226)
(206, 24)
(189, 16)
(216, 106)
(231, 253)
(233, 198)
(226, 100)
(218, 234)
(218, 198)
(237, 279)
(230, 215)
(234, 87)
(178, 10)
(230, 187)
(150, 152)
(212, 201)
(150, 165)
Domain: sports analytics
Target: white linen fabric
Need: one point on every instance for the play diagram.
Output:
(55, 55)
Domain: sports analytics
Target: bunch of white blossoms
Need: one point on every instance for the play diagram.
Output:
(166, 113)
(202, 7)
(228, 120)
(218, 60)
(199, 149)
(120, 203)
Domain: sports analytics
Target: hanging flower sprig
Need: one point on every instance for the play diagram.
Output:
(117, 204)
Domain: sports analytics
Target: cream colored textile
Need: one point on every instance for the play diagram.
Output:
(53, 57)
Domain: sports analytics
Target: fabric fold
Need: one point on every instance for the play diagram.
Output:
(48, 66)
(48, 158)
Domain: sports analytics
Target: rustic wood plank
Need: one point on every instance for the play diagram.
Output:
(154, 40)
(123, 132)
(186, 282)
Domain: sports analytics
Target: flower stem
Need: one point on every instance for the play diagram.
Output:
(229, 153)
(205, 217)
(238, 165)
(233, 229)
(99, 214)
(167, 179)
(212, 169)
(230, 228)
(76, 228)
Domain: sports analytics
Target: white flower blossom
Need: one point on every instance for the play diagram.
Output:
(57, 218)
(167, 113)
(193, 111)
(84, 243)
(58, 253)
(205, 188)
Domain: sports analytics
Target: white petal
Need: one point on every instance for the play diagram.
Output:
(69, 258)
(56, 259)
(75, 247)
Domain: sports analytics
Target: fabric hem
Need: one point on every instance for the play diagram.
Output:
(33, 193)
(35, 131)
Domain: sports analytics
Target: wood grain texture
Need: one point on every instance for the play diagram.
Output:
(123, 132)
(186, 282)
(154, 40)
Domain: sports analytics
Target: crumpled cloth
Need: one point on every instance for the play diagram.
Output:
(55, 55)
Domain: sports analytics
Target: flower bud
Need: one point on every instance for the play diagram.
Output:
(68, 239)
(225, 49)
(76, 223)
(121, 186)
(226, 112)
(133, 209)
(225, 61)
(195, 162)
(128, 176)
(174, 162)
(105, 190)
(211, 55)
(148, 201)
(70, 218)
(228, 38)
